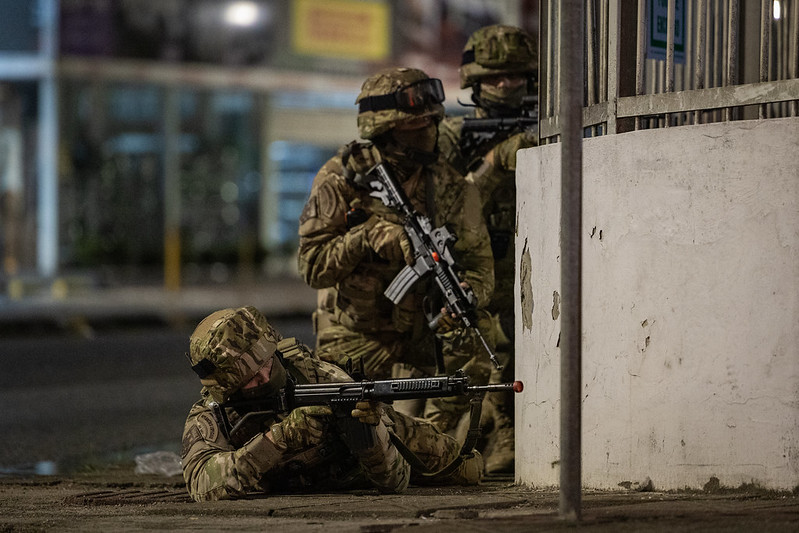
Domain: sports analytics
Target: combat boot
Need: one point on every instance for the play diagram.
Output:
(501, 457)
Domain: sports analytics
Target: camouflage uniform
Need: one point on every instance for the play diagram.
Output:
(495, 51)
(309, 448)
(346, 261)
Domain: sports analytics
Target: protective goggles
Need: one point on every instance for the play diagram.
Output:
(412, 98)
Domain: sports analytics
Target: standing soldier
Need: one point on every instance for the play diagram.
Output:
(352, 246)
(499, 65)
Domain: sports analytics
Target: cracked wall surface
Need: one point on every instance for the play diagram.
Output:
(690, 308)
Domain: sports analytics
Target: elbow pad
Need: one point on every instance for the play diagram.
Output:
(256, 457)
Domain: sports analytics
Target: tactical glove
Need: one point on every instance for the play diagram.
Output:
(362, 157)
(388, 240)
(303, 428)
(368, 412)
(503, 155)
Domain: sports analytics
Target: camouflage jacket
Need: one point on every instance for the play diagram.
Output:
(352, 278)
(497, 189)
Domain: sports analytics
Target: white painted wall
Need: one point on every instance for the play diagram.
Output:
(690, 308)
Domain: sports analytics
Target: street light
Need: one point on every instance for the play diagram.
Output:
(242, 13)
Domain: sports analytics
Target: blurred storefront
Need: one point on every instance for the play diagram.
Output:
(177, 139)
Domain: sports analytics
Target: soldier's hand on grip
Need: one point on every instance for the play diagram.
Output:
(362, 157)
(503, 155)
(302, 428)
(368, 412)
(389, 240)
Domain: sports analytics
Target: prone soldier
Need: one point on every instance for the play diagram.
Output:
(237, 441)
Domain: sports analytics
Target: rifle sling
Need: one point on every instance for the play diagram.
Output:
(476, 408)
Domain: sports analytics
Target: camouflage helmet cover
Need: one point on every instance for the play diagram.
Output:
(230, 346)
(497, 49)
(394, 81)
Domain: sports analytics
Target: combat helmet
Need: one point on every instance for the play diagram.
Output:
(394, 95)
(229, 347)
(498, 49)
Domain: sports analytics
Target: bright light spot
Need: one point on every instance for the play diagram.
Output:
(777, 10)
(241, 14)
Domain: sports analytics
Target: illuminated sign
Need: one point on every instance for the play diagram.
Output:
(347, 29)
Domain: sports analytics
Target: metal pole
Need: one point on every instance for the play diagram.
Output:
(670, 53)
(794, 13)
(732, 51)
(592, 51)
(701, 42)
(640, 55)
(172, 201)
(766, 14)
(550, 81)
(603, 53)
(47, 145)
(571, 113)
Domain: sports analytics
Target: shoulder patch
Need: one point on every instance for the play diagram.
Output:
(327, 200)
(209, 430)
(191, 436)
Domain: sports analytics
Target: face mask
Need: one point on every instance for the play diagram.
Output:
(503, 96)
(421, 139)
(276, 381)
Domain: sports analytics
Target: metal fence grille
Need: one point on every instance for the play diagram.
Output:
(719, 60)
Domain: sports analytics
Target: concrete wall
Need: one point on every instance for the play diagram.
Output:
(690, 308)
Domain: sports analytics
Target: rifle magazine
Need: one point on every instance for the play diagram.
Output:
(401, 284)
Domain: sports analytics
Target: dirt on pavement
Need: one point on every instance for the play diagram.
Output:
(114, 498)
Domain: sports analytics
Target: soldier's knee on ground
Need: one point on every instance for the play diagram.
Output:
(444, 413)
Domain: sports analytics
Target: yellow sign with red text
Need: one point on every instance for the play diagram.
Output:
(347, 29)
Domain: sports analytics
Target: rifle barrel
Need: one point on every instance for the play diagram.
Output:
(516, 386)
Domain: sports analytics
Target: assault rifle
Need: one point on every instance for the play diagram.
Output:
(479, 135)
(431, 250)
(341, 397)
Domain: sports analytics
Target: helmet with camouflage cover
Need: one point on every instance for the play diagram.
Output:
(229, 347)
(394, 95)
(495, 50)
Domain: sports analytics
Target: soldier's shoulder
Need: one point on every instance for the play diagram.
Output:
(447, 174)
(331, 172)
(452, 123)
(332, 167)
(449, 132)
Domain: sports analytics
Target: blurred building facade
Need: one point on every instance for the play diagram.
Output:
(142, 139)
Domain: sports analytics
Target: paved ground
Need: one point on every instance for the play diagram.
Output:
(115, 499)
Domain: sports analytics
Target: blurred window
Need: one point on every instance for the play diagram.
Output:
(296, 165)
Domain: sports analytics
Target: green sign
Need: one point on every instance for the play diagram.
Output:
(657, 29)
